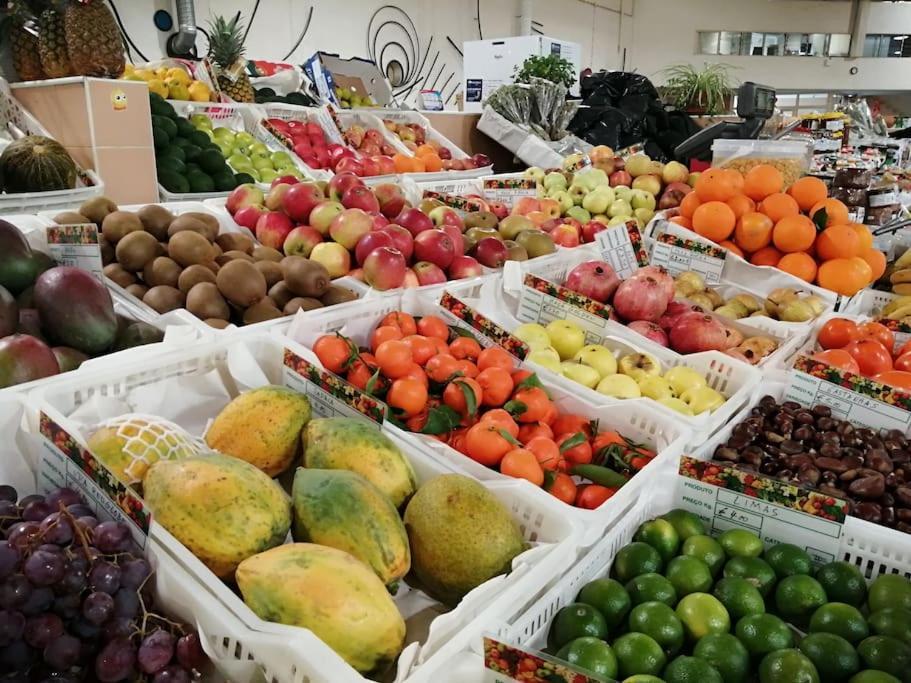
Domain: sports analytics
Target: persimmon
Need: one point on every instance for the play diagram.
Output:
(837, 333)
(838, 358)
(874, 330)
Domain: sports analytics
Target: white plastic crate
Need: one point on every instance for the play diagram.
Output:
(869, 302)
(245, 647)
(293, 112)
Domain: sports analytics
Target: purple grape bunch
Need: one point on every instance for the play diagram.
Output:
(74, 604)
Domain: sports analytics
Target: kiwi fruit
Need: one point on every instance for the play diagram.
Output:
(136, 249)
(119, 275)
(193, 276)
(188, 223)
(235, 241)
(305, 277)
(262, 310)
(233, 256)
(156, 219)
(261, 253)
(161, 271)
(118, 224)
(305, 303)
(107, 250)
(188, 247)
(70, 218)
(337, 295)
(204, 301)
(96, 209)
(138, 290)
(241, 283)
(271, 270)
(164, 298)
(280, 294)
(206, 218)
(217, 323)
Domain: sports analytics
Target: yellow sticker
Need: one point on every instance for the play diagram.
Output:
(119, 100)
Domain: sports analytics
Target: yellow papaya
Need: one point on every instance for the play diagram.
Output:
(330, 592)
(221, 508)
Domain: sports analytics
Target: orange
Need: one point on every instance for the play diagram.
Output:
(404, 321)
(735, 177)
(418, 165)
(422, 349)
(836, 212)
(866, 237)
(571, 423)
(502, 418)
(753, 231)
(408, 395)
(495, 357)
(761, 181)
(547, 452)
(777, 206)
(740, 204)
(485, 443)
(844, 275)
(714, 220)
(877, 262)
(522, 464)
(497, 385)
(794, 233)
(424, 150)
(465, 347)
(384, 333)
(808, 192)
(839, 241)
(432, 326)
(415, 371)
(681, 221)
(394, 358)
(689, 205)
(800, 264)
(441, 367)
(402, 163)
(532, 405)
(730, 246)
(767, 256)
(533, 431)
(467, 368)
(865, 267)
(432, 163)
(334, 352)
(715, 185)
(456, 391)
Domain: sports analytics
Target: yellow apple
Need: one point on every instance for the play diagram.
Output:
(682, 378)
(619, 386)
(598, 357)
(566, 337)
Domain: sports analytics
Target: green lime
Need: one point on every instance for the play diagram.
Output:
(885, 653)
(591, 654)
(787, 666)
(740, 543)
(661, 535)
(686, 523)
(892, 621)
(726, 654)
(637, 653)
(691, 670)
(739, 597)
(651, 588)
(702, 614)
(872, 676)
(643, 678)
(707, 549)
(798, 596)
(608, 597)
(689, 575)
(576, 620)
(843, 582)
(755, 570)
(787, 559)
(635, 559)
(834, 657)
(763, 633)
(842, 620)
(889, 590)
(657, 620)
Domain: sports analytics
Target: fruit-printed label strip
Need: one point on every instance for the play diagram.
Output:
(727, 497)
(464, 316)
(851, 397)
(64, 463)
(335, 119)
(76, 245)
(901, 331)
(621, 246)
(584, 161)
(627, 152)
(509, 190)
(212, 80)
(329, 394)
(679, 255)
(454, 201)
(541, 301)
(505, 663)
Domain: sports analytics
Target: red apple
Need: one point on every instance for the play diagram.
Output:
(434, 246)
(620, 178)
(387, 165)
(444, 215)
(369, 242)
(285, 180)
(411, 279)
(491, 252)
(276, 195)
(300, 200)
(385, 268)
(499, 209)
(379, 221)
(391, 199)
(272, 228)
(464, 266)
(402, 239)
(314, 128)
(590, 229)
(349, 226)
(360, 197)
(594, 279)
(681, 187)
(566, 236)
(301, 240)
(526, 205)
(349, 165)
(551, 224)
(337, 152)
(249, 215)
(323, 214)
(341, 183)
(334, 257)
(247, 194)
(371, 167)
(429, 273)
(480, 160)
(458, 241)
(415, 221)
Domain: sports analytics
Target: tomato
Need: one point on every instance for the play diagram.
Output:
(591, 496)
(871, 356)
(522, 464)
(895, 378)
(903, 362)
(580, 454)
(334, 352)
(878, 332)
(837, 333)
(838, 358)
(562, 487)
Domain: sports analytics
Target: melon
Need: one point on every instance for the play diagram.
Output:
(36, 164)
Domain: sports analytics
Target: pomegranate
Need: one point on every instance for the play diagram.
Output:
(675, 309)
(734, 337)
(662, 276)
(651, 331)
(696, 332)
(594, 279)
(640, 298)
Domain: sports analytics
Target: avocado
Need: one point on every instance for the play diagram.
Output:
(200, 182)
(174, 151)
(190, 151)
(174, 182)
(168, 126)
(184, 128)
(243, 178)
(171, 165)
(183, 143)
(211, 161)
(200, 139)
(192, 166)
(224, 181)
(159, 138)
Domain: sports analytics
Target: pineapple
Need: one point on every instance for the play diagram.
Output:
(55, 59)
(226, 51)
(93, 39)
(23, 39)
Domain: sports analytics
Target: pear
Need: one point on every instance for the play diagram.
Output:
(703, 300)
(796, 311)
(689, 283)
(749, 302)
(728, 311)
(716, 299)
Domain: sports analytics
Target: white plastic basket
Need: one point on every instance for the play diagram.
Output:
(869, 302)
(239, 639)
(370, 121)
(15, 117)
(293, 112)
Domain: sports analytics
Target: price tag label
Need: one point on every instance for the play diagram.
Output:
(77, 246)
(851, 397)
(64, 463)
(726, 497)
(509, 190)
(464, 316)
(621, 246)
(541, 301)
(330, 395)
(679, 255)
(504, 663)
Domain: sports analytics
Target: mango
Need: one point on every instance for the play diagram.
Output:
(330, 592)
(9, 313)
(68, 359)
(222, 509)
(24, 358)
(263, 427)
(17, 268)
(136, 333)
(343, 510)
(344, 443)
(461, 535)
(76, 309)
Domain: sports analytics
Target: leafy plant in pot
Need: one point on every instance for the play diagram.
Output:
(707, 91)
(553, 68)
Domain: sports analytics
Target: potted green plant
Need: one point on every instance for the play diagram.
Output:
(551, 68)
(707, 91)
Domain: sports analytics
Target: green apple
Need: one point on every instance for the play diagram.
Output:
(577, 192)
(702, 399)
(598, 357)
(239, 161)
(226, 146)
(267, 175)
(540, 192)
(580, 373)
(642, 200)
(623, 192)
(655, 387)
(565, 200)
(260, 149)
(546, 358)
(619, 207)
(259, 163)
(253, 173)
(619, 386)
(677, 405)
(261, 154)
(566, 337)
(579, 214)
(533, 334)
(617, 220)
(639, 365)
(282, 159)
(598, 199)
(554, 181)
(596, 177)
(244, 138)
(536, 173)
(643, 215)
(223, 133)
(201, 121)
(682, 378)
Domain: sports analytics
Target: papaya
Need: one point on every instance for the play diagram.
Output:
(345, 443)
(76, 309)
(24, 358)
(343, 510)
(18, 269)
(263, 427)
(222, 509)
(330, 592)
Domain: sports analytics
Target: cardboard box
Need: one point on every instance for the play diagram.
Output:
(328, 71)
